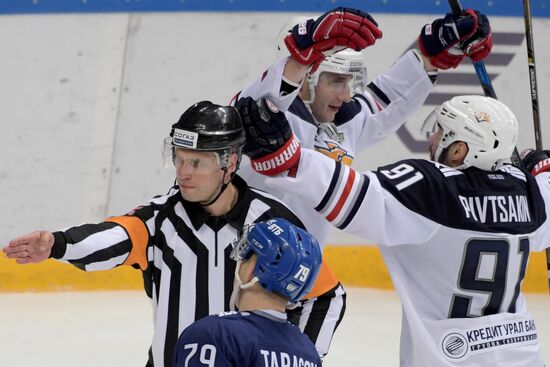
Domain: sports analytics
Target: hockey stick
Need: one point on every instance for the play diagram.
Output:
(532, 72)
(534, 93)
(484, 79)
(489, 91)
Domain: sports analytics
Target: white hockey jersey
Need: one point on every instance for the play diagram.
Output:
(456, 244)
(371, 116)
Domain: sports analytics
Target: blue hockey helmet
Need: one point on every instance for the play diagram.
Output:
(288, 257)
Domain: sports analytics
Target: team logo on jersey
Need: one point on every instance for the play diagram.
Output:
(482, 117)
(336, 152)
(455, 345)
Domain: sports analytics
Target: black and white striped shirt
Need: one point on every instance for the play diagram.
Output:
(182, 250)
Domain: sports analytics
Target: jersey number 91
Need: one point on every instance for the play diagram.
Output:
(495, 286)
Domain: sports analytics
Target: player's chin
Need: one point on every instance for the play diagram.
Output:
(331, 114)
(189, 194)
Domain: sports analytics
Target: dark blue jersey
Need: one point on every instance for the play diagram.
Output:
(245, 339)
(456, 244)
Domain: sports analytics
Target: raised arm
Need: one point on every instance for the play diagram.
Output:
(308, 43)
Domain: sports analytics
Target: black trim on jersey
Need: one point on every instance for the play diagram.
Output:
(437, 196)
(74, 235)
(229, 274)
(365, 181)
(186, 228)
(433, 76)
(318, 313)
(381, 95)
(150, 356)
(333, 182)
(59, 245)
(197, 215)
(343, 310)
(172, 326)
(347, 112)
(365, 99)
(287, 88)
(80, 233)
(237, 215)
(105, 254)
(298, 108)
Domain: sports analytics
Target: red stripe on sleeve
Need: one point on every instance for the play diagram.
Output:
(347, 189)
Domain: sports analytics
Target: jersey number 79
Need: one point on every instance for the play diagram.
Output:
(207, 355)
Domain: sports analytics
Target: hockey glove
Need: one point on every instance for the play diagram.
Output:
(270, 143)
(311, 41)
(446, 41)
(536, 161)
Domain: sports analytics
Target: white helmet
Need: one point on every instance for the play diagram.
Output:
(346, 61)
(486, 125)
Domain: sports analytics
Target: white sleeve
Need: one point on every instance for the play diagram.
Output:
(268, 85)
(354, 202)
(251, 177)
(392, 98)
(542, 236)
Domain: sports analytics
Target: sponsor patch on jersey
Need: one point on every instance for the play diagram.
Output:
(184, 138)
(455, 346)
(458, 345)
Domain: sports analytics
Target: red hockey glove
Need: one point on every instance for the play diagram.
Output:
(270, 143)
(311, 41)
(446, 41)
(536, 161)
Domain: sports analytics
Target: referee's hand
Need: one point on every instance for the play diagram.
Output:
(31, 248)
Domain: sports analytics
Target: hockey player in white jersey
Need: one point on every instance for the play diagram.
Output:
(277, 262)
(455, 231)
(328, 102)
(332, 109)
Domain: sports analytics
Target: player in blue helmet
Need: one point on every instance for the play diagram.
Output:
(287, 258)
(277, 262)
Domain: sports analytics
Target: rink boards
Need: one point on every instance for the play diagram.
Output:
(90, 101)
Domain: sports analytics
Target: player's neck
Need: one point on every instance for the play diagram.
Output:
(251, 301)
(225, 202)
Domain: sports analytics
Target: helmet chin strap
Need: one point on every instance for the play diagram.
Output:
(237, 286)
(224, 185)
(222, 189)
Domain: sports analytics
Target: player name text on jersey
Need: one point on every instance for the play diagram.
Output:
(273, 358)
(496, 208)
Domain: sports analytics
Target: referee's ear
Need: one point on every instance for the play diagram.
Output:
(232, 164)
